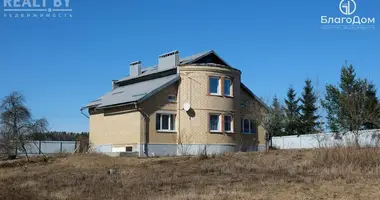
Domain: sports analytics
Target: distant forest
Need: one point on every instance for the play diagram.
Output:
(58, 136)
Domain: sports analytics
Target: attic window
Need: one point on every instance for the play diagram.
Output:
(172, 98)
(244, 104)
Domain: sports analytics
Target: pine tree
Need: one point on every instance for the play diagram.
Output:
(347, 84)
(292, 113)
(309, 117)
(331, 104)
(372, 105)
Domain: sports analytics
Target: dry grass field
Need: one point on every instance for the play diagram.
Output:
(345, 173)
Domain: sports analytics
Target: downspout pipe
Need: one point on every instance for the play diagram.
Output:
(84, 114)
(146, 121)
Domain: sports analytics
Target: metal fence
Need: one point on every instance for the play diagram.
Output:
(366, 138)
(48, 147)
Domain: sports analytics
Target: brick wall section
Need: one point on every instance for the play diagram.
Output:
(251, 112)
(117, 126)
(194, 90)
(125, 125)
(156, 103)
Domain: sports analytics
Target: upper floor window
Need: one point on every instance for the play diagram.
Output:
(214, 85)
(227, 87)
(165, 122)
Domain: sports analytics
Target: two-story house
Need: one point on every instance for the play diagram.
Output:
(181, 106)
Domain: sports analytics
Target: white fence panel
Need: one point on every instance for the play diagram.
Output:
(366, 138)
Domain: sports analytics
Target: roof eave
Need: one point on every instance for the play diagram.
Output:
(116, 105)
(254, 96)
(143, 98)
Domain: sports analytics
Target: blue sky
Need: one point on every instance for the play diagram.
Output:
(62, 64)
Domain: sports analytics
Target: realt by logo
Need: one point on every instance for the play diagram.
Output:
(35, 3)
(37, 9)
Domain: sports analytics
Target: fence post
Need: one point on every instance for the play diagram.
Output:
(39, 147)
(60, 148)
(283, 142)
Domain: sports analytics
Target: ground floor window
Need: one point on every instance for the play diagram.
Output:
(228, 125)
(221, 123)
(248, 126)
(165, 122)
(215, 123)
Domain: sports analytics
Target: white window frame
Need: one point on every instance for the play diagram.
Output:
(219, 122)
(219, 92)
(231, 124)
(250, 126)
(231, 88)
(170, 114)
(175, 98)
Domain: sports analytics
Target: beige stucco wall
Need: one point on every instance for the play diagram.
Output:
(119, 127)
(159, 103)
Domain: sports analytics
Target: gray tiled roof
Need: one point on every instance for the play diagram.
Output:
(154, 69)
(188, 59)
(136, 92)
(141, 90)
(144, 72)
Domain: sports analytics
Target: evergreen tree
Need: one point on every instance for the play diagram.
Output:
(372, 105)
(292, 113)
(309, 117)
(352, 105)
(331, 104)
(347, 89)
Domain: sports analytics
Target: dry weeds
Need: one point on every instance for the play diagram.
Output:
(342, 173)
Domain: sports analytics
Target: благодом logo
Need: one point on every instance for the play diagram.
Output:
(37, 9)
(347, 8)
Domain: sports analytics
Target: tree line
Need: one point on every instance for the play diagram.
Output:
(351, 105)
(58, 136)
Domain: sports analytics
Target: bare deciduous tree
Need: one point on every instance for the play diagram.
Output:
(321, 139)
(16, 124)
